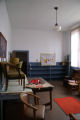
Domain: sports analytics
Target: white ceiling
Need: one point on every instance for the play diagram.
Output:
(39, 14)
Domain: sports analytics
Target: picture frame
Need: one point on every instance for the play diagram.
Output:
(3, 46)
(48, 59)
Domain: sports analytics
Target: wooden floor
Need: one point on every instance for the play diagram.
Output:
(13, 111)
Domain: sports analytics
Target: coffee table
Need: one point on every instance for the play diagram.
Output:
(43, 86)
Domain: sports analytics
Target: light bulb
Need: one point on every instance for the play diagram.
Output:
(57, 27)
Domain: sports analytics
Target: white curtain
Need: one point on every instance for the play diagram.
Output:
(75, 48)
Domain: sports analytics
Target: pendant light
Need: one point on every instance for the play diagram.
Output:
(56, 26)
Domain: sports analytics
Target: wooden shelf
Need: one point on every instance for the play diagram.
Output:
(47, 72)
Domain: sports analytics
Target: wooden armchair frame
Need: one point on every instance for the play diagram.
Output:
(72, 116)
(19, 75)
(33, 107)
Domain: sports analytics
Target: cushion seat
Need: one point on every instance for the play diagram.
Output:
(39, 113)
(15, 74)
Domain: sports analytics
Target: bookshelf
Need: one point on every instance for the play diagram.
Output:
(47, 72)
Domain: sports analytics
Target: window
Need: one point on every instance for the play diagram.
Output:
(75, 48)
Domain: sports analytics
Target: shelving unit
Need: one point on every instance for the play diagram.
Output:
(47, 72)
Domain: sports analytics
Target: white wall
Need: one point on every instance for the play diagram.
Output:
(38, 41)
(66, 45)
(5, 27)
(68, 42)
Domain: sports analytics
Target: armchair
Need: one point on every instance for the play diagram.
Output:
(18, 63)
(12, 71)
(73, 82)
(31, 112)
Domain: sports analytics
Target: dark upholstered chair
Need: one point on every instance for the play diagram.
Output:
(75, 77)
(73, 82)
(32, 111)
(67, 79)
(12, 74)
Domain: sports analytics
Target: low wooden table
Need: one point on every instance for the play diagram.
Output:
(44, 86)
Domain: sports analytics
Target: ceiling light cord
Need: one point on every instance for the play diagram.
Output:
(56, 16)
(56, 8)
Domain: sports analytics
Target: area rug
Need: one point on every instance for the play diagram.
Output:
(68, 104)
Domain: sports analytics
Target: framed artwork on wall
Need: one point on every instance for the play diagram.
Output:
(48, 59)
(3, 46)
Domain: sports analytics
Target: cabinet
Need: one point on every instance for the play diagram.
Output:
(23, 55)
(47, 72)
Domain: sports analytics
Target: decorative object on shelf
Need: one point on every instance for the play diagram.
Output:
(56, 27)
(48, 59)
(64, 63)
(3, 46)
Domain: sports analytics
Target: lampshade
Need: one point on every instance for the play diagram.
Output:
(57, 27)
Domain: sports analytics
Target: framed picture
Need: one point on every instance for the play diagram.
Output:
(3, 46)
(48, 59)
